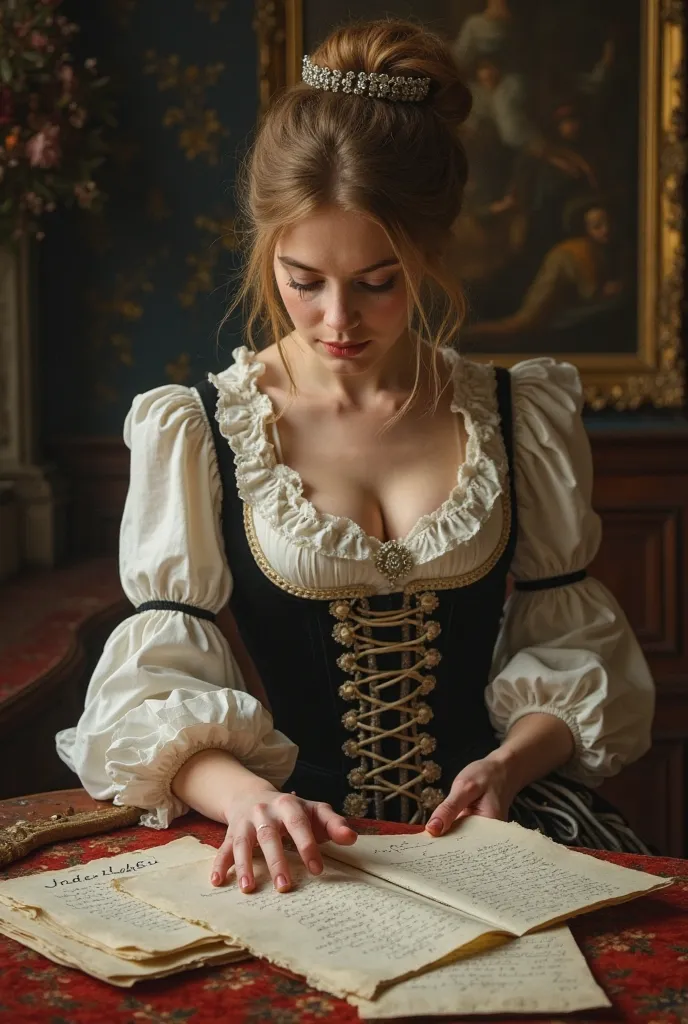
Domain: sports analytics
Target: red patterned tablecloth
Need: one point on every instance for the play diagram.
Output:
(638, 953)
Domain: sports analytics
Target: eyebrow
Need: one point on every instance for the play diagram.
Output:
(287, 261)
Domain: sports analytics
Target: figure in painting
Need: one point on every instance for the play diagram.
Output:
(539, 152)
(580, 279)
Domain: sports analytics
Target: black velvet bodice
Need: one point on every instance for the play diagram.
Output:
(308, 646)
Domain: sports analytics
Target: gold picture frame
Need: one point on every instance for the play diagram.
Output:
(654, 373)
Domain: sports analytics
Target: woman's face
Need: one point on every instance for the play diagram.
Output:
(343, 288)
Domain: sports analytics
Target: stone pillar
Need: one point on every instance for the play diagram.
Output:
(32, 485)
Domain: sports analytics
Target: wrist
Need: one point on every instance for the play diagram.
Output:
(211, 780)
(509, 769)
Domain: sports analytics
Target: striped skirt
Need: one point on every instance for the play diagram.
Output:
(570, 813)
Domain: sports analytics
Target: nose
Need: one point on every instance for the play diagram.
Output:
(341, 315)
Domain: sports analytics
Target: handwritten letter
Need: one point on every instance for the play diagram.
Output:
(83, 904)
(541, 973)
(345, 932)
(512, 877)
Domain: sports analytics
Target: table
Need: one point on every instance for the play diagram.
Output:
(638, 952)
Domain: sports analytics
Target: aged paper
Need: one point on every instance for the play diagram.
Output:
(38, 935)
(82, 903)
(540, 973)
(344, 931)
(512, 877)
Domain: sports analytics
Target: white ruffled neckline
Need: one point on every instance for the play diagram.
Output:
(275, 491)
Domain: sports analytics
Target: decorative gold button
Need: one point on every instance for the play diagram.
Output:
(355, 805)
(428, 602)
(393, 560)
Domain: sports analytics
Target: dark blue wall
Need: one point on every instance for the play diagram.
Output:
(133, 299)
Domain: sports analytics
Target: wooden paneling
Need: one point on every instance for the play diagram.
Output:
(651, 794)
(639, 561)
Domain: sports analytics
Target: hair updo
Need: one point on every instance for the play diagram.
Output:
(400, 164)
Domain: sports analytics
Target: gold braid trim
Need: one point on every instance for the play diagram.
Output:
(363, 590)
(473, 575)
(314, 594)
(24, 836)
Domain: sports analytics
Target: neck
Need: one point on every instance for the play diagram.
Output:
(394, 372)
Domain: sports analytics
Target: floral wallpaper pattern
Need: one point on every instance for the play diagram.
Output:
(133, 299)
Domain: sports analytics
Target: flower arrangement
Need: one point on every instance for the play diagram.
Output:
(52, 114)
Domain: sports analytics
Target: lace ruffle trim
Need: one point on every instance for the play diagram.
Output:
(275, 491)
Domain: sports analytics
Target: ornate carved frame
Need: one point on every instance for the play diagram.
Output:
(655, 372)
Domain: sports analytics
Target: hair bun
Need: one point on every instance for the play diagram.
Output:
(394, 46)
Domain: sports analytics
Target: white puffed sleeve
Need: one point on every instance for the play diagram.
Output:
(167, 685)
(567, 651)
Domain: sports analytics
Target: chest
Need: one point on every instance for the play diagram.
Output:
(384, 480)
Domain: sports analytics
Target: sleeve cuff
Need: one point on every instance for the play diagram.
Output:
(547, 709)
(154, 740)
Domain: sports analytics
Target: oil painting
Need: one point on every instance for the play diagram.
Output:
(569, 238)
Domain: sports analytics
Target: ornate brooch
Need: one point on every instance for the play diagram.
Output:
(393, 560)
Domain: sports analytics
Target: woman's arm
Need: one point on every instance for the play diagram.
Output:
(535, 745)
(214, 783)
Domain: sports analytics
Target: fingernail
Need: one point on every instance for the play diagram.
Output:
(215, 878)
(314, 867)
(434, 825)
(281, 882)
(245, 883)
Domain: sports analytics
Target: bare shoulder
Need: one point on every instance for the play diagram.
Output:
(274, 380)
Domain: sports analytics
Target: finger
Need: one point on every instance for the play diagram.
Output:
(224, 858)
(243, 859)
(463, 793)
(330, 825)
(270, 843)
(298, 825)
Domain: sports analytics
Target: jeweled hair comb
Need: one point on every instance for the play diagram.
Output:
(393, 88)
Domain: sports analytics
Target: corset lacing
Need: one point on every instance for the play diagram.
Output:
(378, 777)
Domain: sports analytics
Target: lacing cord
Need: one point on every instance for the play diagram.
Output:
(401, 776)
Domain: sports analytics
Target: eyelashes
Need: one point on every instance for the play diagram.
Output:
(306, 289)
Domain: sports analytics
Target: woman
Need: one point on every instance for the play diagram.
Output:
(358, 493)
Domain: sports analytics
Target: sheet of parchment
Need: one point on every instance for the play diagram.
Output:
(540, 973)
(512, 877)
(344, 931)
(82, 904)
(38, 935)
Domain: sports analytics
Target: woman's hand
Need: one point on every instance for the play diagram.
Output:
(263, 819)
(536, 744)
(481, 788)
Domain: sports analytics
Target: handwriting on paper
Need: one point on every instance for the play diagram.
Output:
(107, 872)
(540, 973)
(511, 881)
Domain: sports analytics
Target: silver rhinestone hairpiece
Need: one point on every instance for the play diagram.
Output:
(393, 88)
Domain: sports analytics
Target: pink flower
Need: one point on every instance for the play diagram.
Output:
(43, 148)
(38, 40)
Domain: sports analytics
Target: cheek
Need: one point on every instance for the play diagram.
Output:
(302, 312)
(388, 310)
